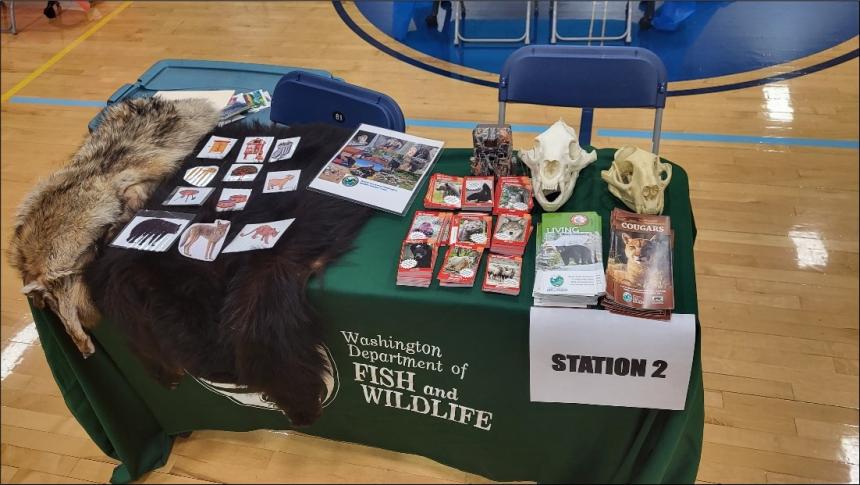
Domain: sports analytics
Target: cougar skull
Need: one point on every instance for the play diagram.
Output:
(636, 177)
(555, 162)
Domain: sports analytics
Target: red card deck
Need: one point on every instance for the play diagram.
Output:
(444, 192)
(514, 195)
(511, 234)
(503, 274)
(460, 266)
(431, 227)
(471, 229)
(417, 260)
(478, 194)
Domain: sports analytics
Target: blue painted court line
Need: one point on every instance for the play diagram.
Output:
(80, 103)
(527, 128)
(718, 138)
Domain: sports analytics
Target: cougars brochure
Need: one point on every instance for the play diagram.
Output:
(379, 168)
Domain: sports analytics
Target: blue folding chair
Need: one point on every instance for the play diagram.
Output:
(303, 97)
(585, 77)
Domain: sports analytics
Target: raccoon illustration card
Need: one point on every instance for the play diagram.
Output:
(284, 149)
(460, 266)
(203, 241)
(232, 199)
(188, 196)
(284, 181)
(254, 149)
(443, 192)
(478, 193)
(263, 235)
(152, 230)
(217, 147)
(242, 172)
(201, 176)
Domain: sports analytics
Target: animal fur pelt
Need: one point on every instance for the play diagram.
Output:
(243, 318)
(138, 144)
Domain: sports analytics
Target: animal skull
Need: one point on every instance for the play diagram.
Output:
(555, 162)
(636, 178)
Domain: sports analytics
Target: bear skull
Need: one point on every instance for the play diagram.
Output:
(555, 162)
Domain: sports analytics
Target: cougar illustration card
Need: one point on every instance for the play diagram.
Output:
(217, 147)
(254, 149)
(284, 181)
(242, 172)
(232, 199)
(258, 236)
(284, 149)
(152, 230)
(203, 241)
(200, 176)
(188, 196)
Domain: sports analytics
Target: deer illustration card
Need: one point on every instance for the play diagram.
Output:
(258, 236)
(232, 199)
(203, 241)
(217, 147)
(284, 149)
(200, 176)
(152, 230)
(242, 172)
(254, 149)
(188, 196)
(285, 181)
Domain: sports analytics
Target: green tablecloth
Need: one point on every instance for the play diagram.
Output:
(132, 418)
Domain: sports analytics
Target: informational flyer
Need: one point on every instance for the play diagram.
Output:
(378, 167)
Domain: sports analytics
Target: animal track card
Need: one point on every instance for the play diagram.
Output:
(152, 230)
(232, 199)
(254, 149)
(217, 147)
(284, 149)
(258, 236)
(188, 196)
(285, 181)
(203, 241)
(200, 176)
(242, 172)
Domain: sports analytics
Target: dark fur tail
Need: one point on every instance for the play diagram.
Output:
(266, 316)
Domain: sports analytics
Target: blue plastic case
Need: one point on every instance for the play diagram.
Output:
(174, 74)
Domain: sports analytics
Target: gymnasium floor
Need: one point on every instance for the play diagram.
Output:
(774, 183)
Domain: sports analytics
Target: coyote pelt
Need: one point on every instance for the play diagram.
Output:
(139, 143)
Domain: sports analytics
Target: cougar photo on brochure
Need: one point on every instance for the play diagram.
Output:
(639, 266)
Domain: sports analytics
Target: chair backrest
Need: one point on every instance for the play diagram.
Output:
(585, 77)
(301, 97)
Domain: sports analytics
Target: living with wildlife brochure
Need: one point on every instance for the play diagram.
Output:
(569, 260)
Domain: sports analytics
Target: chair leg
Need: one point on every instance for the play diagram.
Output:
(10, 8)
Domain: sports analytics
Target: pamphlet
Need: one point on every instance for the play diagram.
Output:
(379, 168)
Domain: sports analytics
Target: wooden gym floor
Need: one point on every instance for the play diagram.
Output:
(776, 256)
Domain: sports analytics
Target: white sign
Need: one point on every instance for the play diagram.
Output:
(598, 357)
